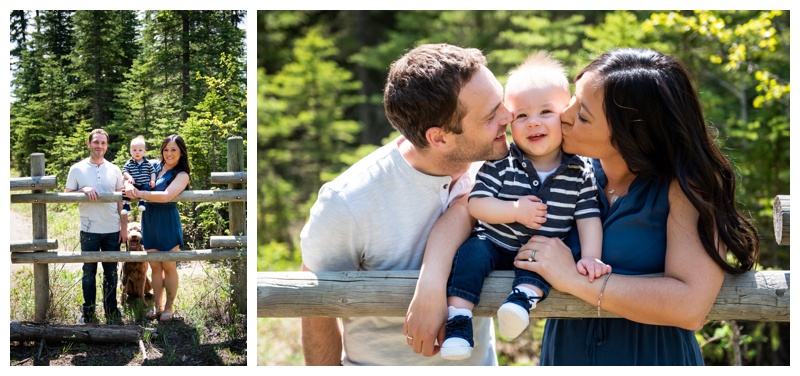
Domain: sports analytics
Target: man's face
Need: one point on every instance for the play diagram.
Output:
(483, 134)
(98, 146)
(137, 152)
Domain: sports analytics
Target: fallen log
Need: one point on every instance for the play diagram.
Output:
(90, 333)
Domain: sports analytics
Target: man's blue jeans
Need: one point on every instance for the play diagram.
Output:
(91, 242)
(475, 259)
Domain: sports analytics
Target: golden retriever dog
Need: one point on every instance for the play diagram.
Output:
(135, 283)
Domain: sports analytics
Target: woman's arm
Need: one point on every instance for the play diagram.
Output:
(173, 190)
(682, 297)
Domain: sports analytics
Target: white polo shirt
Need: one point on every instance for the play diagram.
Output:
(96, 217)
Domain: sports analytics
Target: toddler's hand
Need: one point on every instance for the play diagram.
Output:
(592, 267)
(531, 212)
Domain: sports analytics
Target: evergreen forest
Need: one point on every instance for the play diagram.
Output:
(320, 90)
(150, 73)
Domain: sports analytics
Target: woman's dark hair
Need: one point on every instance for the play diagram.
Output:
(657, 125)
(183, 161)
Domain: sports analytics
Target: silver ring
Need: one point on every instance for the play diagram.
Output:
(409, 337)
(530, 257)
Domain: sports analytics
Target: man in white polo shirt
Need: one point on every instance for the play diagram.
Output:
(103, 227)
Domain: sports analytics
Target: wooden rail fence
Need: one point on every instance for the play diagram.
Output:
(40, 249)
(752, 296)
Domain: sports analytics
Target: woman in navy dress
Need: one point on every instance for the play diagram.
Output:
(161, 223)
(669, 207)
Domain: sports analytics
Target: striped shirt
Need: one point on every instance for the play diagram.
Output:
(140, 172)
(570, 194)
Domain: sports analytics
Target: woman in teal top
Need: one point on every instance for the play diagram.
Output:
(161, 222)
(669, 207)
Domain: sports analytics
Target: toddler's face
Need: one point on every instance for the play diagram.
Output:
(536, 127)
(137, 152)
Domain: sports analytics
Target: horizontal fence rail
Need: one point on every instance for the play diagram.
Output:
(34, 245)
(227, 241)
(239, 177)
(69, 257)
(229, 195)
(753, 296)
(33, 182)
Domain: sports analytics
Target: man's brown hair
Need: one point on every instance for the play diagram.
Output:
(422, 89)
(97, 131)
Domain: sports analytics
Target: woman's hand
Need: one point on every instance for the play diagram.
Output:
(130, 191)
(552, 259)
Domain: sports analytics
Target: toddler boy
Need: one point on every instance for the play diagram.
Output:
(139, 172)
(535, 190)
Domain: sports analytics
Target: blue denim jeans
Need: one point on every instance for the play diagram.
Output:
(475, 259)
(91, 242)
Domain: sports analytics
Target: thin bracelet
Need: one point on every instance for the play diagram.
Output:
(600, 298)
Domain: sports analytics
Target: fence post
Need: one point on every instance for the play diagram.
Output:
(238, 226)
(41, 273)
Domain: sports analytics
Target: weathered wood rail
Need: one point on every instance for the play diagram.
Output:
(752, 296)
(41, 251)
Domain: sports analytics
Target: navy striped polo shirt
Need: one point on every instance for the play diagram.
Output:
(570, 194)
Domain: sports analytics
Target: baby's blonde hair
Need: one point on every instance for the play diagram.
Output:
(539, 70)
(139, 140)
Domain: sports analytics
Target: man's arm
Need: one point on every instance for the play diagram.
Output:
(329, 241)
(322, 340)
(427, 312)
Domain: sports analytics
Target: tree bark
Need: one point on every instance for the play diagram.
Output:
(27, 331)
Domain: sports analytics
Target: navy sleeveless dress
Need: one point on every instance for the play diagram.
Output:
(634, 242)
(161, 223)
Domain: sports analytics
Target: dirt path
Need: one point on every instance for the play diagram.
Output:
(21, 227)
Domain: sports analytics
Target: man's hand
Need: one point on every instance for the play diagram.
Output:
(123, 237)
(152, 184)
(425, 322)
(91, 192)
(530, 212)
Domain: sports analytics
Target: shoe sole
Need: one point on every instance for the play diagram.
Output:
(512, 321)
(456, 353)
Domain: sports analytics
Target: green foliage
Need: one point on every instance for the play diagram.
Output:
(302, 130)
(220, 115)
(739, 60)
